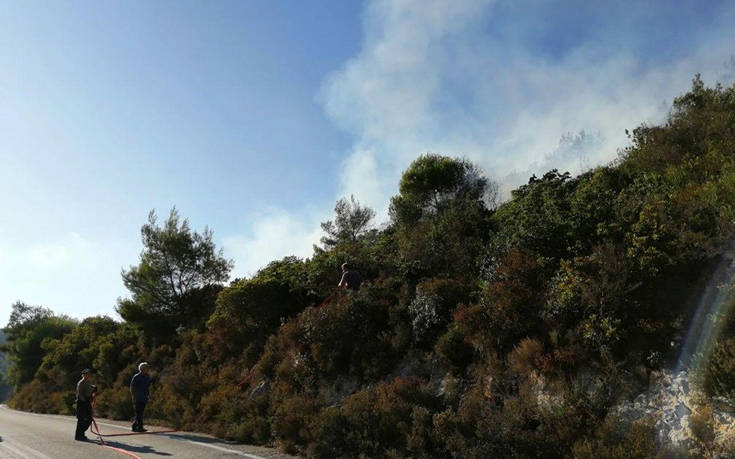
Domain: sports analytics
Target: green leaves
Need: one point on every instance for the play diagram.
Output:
(441, 216)
(97, 342)
(539, 217)
(433, 182)
(351, 221)
(28, 333)
(179, 273)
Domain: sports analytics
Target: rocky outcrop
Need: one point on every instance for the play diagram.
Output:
(684, 417)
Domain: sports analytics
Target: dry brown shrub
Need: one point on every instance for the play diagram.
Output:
(524, 358)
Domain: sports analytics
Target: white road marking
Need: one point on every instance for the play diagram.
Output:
(33, 452)
(6, 445)
(208, 445)
(5, 407)
(218, 448)
(22, 450)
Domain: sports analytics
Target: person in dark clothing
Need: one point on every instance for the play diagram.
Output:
(350, 278)
(139, 387)
(85, 389)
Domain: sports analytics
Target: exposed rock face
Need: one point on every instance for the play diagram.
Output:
(672, 400)
(340, 389)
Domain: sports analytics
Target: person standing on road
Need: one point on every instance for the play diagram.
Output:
(85, 389)
(139, 387)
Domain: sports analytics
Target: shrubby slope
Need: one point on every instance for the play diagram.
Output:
(482, 330)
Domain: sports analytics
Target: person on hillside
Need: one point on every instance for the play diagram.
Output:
(85, 390)
(139, 388)
(350, 278)
(653, 363)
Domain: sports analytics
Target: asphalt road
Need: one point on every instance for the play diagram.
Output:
(41, 436)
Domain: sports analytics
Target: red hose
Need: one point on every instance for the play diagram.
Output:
(95, 429)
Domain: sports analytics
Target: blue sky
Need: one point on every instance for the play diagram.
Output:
(253, 117)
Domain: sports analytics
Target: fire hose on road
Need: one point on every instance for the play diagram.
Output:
(96, 430)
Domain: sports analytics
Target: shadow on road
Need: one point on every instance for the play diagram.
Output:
(193, 437)
(137, 449)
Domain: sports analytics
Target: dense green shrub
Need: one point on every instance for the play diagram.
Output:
(31, 333)
(454, 348)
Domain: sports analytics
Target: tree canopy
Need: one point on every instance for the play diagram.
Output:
(179, 274)
(351, 221)
(28, 334)
(433, 182)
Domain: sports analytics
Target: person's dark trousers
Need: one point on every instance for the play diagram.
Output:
(84, 419)
(139, 408)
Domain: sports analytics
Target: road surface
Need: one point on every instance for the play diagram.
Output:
(42, 436)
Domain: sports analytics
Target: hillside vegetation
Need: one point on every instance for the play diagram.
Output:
(482, 329)
(3, 369)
